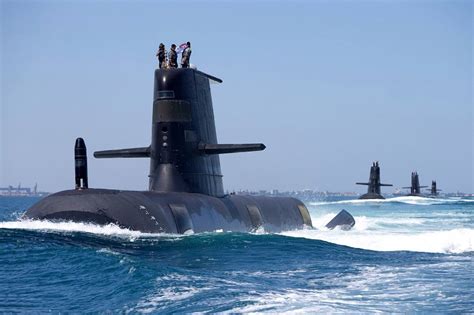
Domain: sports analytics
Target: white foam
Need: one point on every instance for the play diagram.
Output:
(47, 226)
(371, 289)
(450, 241)
(413, 200)
(367, 223)
(170, 288)
(372, 233)
(437, 232)
(165, 296)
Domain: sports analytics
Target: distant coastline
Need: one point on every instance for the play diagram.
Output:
(18, 191)
(308, 194)
(305, 194)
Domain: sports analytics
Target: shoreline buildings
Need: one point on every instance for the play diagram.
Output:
(19, 191)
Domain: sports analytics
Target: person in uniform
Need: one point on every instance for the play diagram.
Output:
(161, 54)
(173, 57)
(186, 56)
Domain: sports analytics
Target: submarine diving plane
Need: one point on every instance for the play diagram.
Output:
(186, 192)
(373, 191)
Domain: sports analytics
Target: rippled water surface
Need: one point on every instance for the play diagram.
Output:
(405, 254)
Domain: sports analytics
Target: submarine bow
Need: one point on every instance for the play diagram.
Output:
(186, 192)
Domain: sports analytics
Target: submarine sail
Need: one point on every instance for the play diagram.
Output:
(434, 191)
(415, 188)
(373, 191)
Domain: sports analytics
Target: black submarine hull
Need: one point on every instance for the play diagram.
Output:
(415, 195)
(371, 196)
(172, 212)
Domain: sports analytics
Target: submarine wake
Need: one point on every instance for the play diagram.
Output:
(399, 224)
(454, 241)
(368, 234)
(80, 227)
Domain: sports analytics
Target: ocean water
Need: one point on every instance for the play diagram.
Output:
(405, 254)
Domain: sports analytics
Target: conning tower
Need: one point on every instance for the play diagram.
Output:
(184, 150)
(415, 188)
(434, 191)
(373, 191)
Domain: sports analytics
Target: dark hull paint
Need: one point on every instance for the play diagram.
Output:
(344, 220)
(371, 196)
(156, 212)
(415, 195)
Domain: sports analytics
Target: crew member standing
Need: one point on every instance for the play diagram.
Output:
(173, 57)
(186, 56)
(161, 54)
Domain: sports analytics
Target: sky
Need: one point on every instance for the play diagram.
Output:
(328, 86)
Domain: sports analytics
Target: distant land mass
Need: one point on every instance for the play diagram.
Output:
(305, 194)
(18, 191)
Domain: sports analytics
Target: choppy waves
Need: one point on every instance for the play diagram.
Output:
(417, 224)
(400, 257)
(67, 227)
(451, 241)
(363, 236)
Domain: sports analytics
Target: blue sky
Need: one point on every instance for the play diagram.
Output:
(328, 86)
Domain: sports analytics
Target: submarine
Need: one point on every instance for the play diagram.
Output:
(434, 191)
(415, 188)
(373, 191)
(185, 193)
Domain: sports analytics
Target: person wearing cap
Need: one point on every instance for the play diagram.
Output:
(161, 54)
(173, 63)
(186, 56)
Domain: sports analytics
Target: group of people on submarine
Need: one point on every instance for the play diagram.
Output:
(170, 59)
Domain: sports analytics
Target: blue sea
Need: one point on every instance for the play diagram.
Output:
(405, 254)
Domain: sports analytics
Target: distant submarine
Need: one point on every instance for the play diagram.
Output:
(415, 188)
(186, 193)
(373, 191)
(434, 191)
